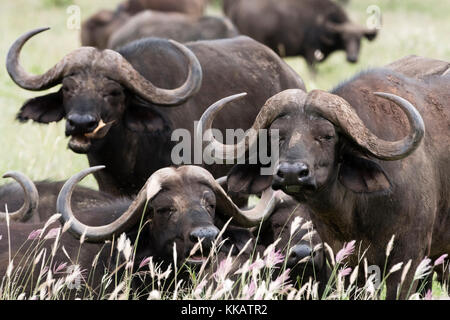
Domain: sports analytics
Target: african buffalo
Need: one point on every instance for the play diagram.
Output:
(362, 162)
(176, 206)
(305, 255)
(95, 31)
(28, 196)
(120, 112)
(310, 28)
(303, 248)
(175, 26)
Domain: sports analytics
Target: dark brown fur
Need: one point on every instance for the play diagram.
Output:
(298, 27)
(96, 30)
(191, 7)
(175, 26)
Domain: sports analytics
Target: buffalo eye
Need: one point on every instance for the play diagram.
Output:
(166, 211)
(113, 94)
(326, 137)
(209, 205)
(208, 201)
(65, 89)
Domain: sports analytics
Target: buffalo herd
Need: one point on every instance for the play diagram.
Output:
(367, 161)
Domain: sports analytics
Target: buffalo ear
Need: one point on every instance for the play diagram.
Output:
(44, 109)
(247, 179)
(362, 175)
(370, 34)
(144, 119)
(103, 17)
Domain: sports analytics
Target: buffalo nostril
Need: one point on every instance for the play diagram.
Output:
(300, 252)
(284, 169)
(82, 123)
(92, 125)
(208, 234)
(193, 238)
(303, 173)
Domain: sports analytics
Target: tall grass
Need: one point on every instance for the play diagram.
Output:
(259, 275)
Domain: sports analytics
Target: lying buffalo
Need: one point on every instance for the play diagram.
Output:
(164, 213)
(119, 109)
(303, 247)
(175, 26)
(362, 162)
(95, 31)
(310, 28)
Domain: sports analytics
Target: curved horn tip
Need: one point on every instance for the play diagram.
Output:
(222, 181)
(41, 29)
(386, 95)
(92, 170)
(382, 94)
(85, 172)
(235, 96)
(37, 31)
(8, 174)
(174, 42)
(97, 168)
(14, 175)
(222, 102)
(393, 97)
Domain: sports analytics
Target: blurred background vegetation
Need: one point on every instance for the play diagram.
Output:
(40, 151)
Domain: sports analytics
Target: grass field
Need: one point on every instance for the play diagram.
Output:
(40, 151)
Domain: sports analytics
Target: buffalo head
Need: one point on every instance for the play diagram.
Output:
(300, 244)
(96, 89)
(321, 139)
(344, 36)
(176, 206)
